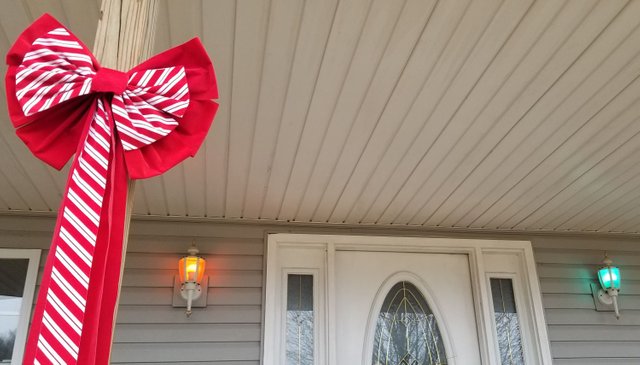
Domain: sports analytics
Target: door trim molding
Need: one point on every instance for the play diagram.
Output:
(325, 246)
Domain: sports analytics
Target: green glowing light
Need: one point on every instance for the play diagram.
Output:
(609, 277)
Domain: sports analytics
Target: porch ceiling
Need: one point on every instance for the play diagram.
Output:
(515, 115)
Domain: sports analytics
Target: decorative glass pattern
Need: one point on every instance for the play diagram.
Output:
(407, 331)
(13, 274)
(507, 322)
(299, 340)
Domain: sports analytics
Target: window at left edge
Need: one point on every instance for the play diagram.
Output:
(13, 275)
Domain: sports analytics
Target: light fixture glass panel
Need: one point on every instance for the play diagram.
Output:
(609, 277)
(191, 269)
(407, 332)
(507, 322)
(300, 339)
(13, 273)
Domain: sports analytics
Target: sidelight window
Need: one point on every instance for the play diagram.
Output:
(299, 343)
(507, 322)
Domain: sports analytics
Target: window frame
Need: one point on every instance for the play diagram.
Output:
(33, 255)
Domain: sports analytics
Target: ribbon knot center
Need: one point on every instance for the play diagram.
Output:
(108, 80)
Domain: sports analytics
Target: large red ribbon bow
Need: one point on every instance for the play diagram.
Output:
(119, 125)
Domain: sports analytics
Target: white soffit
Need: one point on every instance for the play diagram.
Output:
(514, 115)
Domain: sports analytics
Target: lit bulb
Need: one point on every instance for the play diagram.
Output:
(191, 271)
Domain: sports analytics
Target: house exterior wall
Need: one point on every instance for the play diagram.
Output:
(228, 331)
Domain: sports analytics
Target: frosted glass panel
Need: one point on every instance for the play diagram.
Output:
(407, 331)
(507, 322)
(300, 320)
(13, 273)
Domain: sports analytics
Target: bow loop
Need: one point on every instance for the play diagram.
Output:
(53, 71)
(164, 88)
(147, 110)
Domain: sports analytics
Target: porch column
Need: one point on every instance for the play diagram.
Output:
(124, 38)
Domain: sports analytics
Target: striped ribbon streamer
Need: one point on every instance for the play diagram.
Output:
(132, 111)
(73, 248)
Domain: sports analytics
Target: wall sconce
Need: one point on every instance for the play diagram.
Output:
(191, 281)
(609, 278)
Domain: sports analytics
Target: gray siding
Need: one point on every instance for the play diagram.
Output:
(579, 334)
(228, 331)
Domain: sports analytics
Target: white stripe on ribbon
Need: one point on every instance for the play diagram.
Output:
(76, 246)
(172, 82)
(73, 322)
(99, 178)
(84, 208)
(59, 31)
(83, 279)
(87, 188)
(57, 43)
(49, 352)
(71, 293)
(87, 233)
(60, 335)
(163, 77)
(99, 139)
(99, 158)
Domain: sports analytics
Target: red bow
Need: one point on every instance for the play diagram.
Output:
(136, 124)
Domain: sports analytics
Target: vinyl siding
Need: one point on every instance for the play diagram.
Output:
(579, 334)
(228, 331)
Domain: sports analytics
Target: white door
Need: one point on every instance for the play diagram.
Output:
(380, 300)
(404, 309)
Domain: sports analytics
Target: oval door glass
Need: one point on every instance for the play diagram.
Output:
(407, 332)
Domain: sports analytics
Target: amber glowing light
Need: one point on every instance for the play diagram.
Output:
(192, 269)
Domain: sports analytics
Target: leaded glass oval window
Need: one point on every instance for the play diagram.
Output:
(406, 330)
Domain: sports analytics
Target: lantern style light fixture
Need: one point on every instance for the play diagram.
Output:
(191, 270)
(609, 277)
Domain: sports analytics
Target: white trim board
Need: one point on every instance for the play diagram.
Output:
(487, 258)
(33, 255)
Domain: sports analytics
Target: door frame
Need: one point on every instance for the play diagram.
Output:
(315, 254)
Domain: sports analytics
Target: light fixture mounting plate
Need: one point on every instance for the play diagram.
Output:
(602, 300)
(200, 302)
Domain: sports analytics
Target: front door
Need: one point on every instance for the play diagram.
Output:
(404, 309)
(380, 300)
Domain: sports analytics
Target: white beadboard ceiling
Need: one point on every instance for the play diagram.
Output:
(485, 114)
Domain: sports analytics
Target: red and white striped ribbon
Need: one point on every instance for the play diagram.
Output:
(55, 70)
(63, 317)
